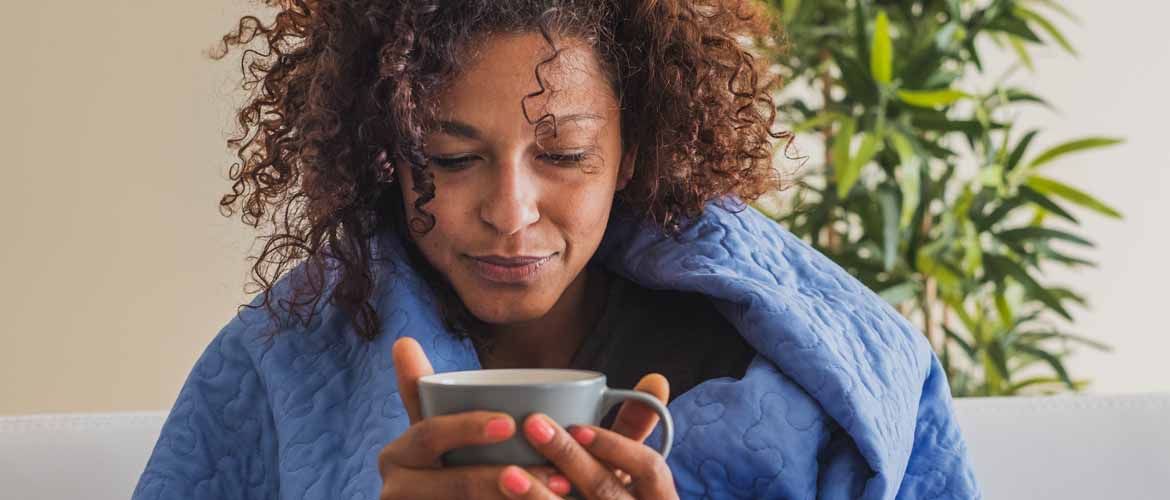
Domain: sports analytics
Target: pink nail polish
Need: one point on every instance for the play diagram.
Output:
(559, 485)
(539, 430)
(498, 428)
(583, 435)
(515, 481)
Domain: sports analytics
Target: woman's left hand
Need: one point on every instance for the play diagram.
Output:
(601, 464)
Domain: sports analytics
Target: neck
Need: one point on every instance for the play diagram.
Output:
(551, 340)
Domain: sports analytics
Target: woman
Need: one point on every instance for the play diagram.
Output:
(524, 183)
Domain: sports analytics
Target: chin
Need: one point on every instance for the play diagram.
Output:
(517, 310)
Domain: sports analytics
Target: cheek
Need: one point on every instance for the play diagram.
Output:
(444, 232)
(584, 212)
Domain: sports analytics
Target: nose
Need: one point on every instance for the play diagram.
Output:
(510, 203)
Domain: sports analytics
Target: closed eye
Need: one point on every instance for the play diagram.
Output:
(566, 158)
(458, 162)
(453, 163)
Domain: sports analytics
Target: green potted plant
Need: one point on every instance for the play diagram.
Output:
(889, 88)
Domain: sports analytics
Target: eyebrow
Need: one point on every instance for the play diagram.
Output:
(461, 129)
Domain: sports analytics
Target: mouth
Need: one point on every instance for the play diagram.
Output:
(510, 270)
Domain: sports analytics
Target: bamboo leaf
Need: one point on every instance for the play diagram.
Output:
(1045, 25)
(995, 366)
(1038, 217)
(973, 257)
(933, 268)
(841, 147)
(1014, 26)
(973, 51)
(1005, 207)
(1066, 294)
(962, 207)
(1006, 316)
(848, 176)
(929, 119)
(909, 179)
(1001, 265)
(900, 293)
(1054, 5)
(930, 98)
(961, 311)
(1017, 95)
(1018, 152)
(818, 121)
(1067, 260)
(963, 344)
(1052, 361)
(1042, 336)
(858, 86)
(1041, 233)
(1029, 194)
(1071, 147)
(881, 56)
(991, 176)
(1021, 52)
(859, 15)
(1048, 186)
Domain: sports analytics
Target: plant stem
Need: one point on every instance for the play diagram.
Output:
(946, 321)
(830, 236)
(929, 295)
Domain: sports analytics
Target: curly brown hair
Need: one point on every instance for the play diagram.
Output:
(345, 84)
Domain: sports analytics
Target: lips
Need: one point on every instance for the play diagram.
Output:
(510, 270)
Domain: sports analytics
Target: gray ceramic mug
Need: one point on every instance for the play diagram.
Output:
(567, 396)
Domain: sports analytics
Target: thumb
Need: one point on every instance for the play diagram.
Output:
(410, 364)
(637, 420)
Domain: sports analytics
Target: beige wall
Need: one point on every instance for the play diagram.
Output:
(118, 268)
(1116, 87)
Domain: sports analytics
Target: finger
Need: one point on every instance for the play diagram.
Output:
(637, 420)
(593, 478)
(410, 364)
(515, 482)
(469, 482)
(551, 478)
(649, 472)
(423, 443)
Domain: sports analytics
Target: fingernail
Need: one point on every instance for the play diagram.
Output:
(583, 435)
(515, 481)
(559, 484)
(539, 430)
(498, 428)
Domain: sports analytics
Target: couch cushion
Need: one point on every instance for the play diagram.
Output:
(96, 456)
(1066, 447)
(1069, 447)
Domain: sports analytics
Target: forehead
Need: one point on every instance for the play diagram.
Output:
(500, 71)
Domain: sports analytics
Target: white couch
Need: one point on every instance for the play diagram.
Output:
(1063, 447)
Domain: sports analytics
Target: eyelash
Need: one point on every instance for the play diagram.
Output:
(456, 163)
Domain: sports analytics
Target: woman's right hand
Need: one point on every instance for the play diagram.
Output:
(410, 465)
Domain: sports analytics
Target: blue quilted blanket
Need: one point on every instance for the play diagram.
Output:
(844, 399)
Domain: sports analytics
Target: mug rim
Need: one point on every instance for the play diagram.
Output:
(435, 379)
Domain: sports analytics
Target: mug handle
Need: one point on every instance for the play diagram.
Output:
(614, 396)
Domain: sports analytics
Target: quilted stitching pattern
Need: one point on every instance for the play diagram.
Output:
(844, 399)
